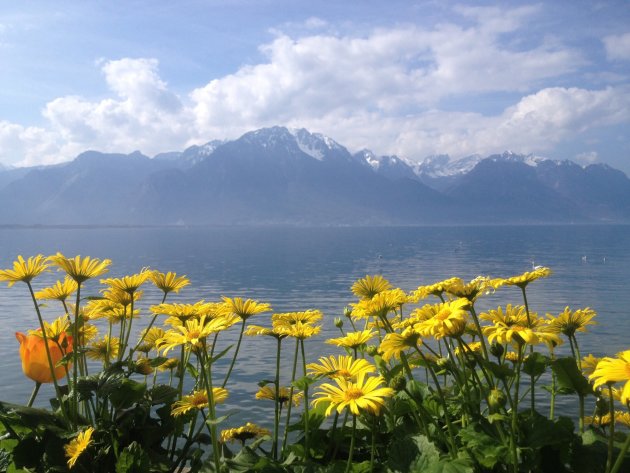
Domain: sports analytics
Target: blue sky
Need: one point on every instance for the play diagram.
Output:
(412, 78)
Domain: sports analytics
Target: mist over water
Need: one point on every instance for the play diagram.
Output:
(313, 268)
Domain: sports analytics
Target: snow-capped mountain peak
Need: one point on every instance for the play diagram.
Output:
(316, 145)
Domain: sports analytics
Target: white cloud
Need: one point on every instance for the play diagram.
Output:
(618, 47)
(382, 90)
(588, 157)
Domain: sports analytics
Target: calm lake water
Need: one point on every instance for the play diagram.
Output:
(313, 268)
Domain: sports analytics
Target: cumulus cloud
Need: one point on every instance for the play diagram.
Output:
(381, 90)
(618, 47)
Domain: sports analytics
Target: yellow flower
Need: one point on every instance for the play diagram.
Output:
(245, 308)
(513, 315)
(143, 366)
(524, 279)
(103, 350)
(613, 370)
(60, 291)
(369, 286)
(352, 339)
(342, 366)
(365, 394)
(242, 434)
(380, 305)
(128, 284)
(152, 336)
(24, 271)
(169, 364)
(589, 363)
(190, 334)
(198, 400)
(35, 360)
(54, 330)
(81, 269)
(269, 392)
(304, 317)
(394, 344)
(120, 297)
(436, 290)
(474, 347)
(77, 446)
(258, 331)
(519, 335)
(478, 286)
(169, 282)
(184, 312)
(449, 320)
(298, 330)
(568, 322)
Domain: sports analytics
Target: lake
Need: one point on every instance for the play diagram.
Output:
(313, 268)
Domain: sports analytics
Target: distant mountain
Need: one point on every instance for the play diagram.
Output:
(291, 176)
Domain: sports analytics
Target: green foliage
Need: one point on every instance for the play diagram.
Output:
(569, 377)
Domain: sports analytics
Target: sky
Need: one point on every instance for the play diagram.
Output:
(404, 77)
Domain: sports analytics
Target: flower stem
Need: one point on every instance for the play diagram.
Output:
(34, 393)
(306, 433)
(276, 419)
(622, 454)
(350, 453)
(238, 346)
(611, 433)
(289, 403)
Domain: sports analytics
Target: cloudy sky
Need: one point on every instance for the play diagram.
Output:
(403, 77)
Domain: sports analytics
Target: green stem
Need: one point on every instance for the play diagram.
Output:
(621, 456)
(531, 350)
(306, 432)
(34, 394)
(289, 403)
(351, 452)
(611, 433)
(213, 427)
(238, 346)
(373, 446)
(514, 436)
(276, 419)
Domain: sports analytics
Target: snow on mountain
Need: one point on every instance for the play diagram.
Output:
(441, 165)
(316, 145)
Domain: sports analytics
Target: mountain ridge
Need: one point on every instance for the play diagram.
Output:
(292, 176)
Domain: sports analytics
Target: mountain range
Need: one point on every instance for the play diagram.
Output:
(291, 176)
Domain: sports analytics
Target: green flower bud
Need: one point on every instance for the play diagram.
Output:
(497, 350)
(338, 322)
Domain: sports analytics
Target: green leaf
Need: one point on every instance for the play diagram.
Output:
(162, 394)
(487, 450)
(535, 364)
(304, 382)
(569, 376)
(499, 371)
(458, 465)
(220, 355)
(127, 393)
(133, 459)
(411, 454)
(218, 420)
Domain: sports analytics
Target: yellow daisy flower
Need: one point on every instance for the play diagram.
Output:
(81, 269)
(436, 289)
(77, 446)
(24, 271)
(258, 331)
(366, 394)
(304, 317)
(568, 322)
(60, 291)
(103, 350)
(589, 363)
(513, 315)
(343, 366)
(522, 280)
(614, 370)
(269, 392)
(519, 335)
(197, 400)
(394, 344)
(242, 434)
(472, 290)
(168, 282)
(352, 339)
(128, 284)
(449, 320)
(369, 286)
(298, 330)
(245, 308)
(190, 334)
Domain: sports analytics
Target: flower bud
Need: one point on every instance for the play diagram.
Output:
(398, 382)
(496, 399)
(338, 322)
(347, 312)
(371, 350)
(497, 349)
